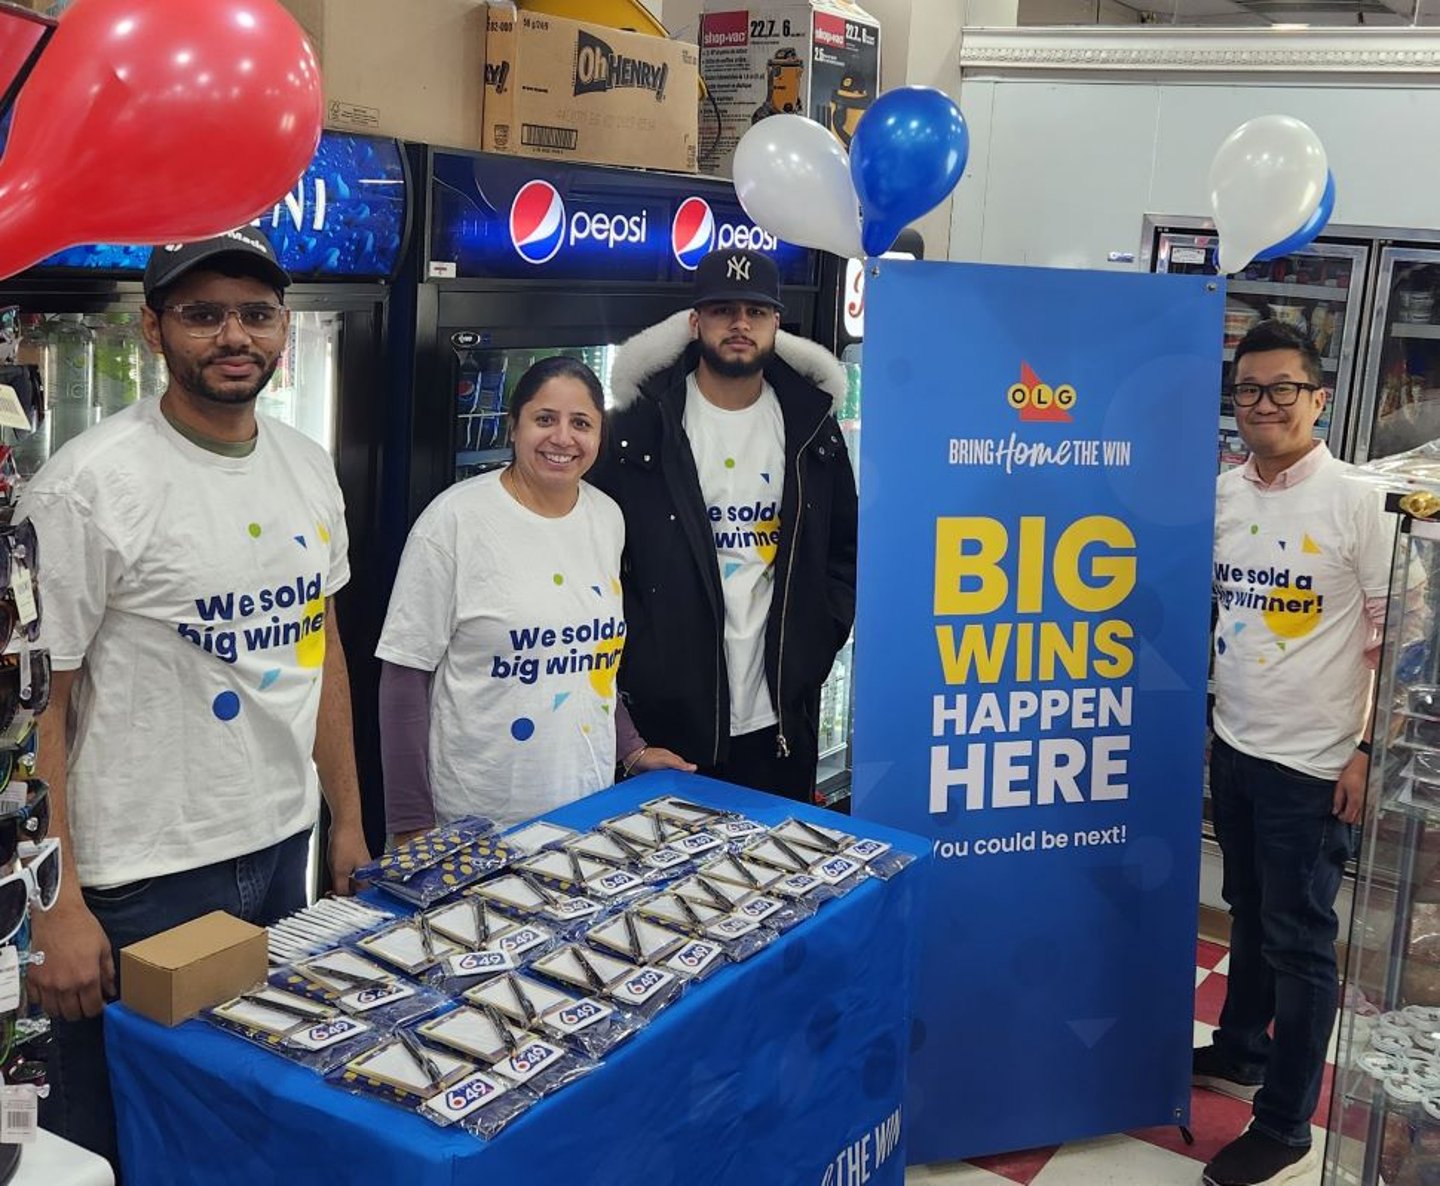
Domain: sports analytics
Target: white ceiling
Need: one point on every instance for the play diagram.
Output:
(1380, 13)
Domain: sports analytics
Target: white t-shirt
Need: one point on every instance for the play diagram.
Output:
(740, 457)
(1293, 567)
(189, 590)
(521, 619)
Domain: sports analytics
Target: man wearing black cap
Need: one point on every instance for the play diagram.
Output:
(191, 551)
(740, 514)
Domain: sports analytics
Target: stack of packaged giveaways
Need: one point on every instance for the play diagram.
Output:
(513, 963)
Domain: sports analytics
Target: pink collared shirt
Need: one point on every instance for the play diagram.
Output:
(1288, 479)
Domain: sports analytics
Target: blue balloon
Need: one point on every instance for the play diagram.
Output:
(1312, 228)
(907, 154)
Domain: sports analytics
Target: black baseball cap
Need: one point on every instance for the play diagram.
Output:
(737, 276)
(170, 261)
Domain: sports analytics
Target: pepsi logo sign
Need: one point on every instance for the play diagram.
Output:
(692, 234)
(695, 233)
(537, 222)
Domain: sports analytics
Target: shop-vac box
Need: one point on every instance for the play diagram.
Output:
(819, 59)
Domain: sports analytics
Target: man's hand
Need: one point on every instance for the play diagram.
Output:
(1350, 789)
(78, 975)
(657, 757)
(347, 852)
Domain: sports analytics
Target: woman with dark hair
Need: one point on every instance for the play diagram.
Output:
(506, 627)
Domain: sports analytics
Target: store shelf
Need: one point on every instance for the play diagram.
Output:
(833, 788)
(1401, 329)
(1304, 292)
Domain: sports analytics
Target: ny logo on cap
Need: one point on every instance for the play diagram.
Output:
(738, 268)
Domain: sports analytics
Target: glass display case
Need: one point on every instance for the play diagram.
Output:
(1385, 1106)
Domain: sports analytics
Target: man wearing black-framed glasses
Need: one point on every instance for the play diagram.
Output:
(1301, 572)
(192, 549)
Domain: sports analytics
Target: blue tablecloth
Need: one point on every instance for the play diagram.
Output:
(787, 1068)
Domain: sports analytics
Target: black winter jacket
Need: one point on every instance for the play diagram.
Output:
(673, 674)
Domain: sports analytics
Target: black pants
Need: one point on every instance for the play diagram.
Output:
(752, 762)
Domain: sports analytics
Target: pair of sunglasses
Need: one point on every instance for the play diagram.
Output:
(36, 880)
(24, 823)
(19, 561)
(24, 684)
(18, 761)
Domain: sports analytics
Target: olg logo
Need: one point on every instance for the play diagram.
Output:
(1037, 400)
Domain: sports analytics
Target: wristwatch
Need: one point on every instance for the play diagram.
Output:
(1363, 746)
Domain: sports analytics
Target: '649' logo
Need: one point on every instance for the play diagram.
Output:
(1038, 401)
(582, 1011)
(465, 1095)
(330, 1029)
(643, 981)
(531, 1058)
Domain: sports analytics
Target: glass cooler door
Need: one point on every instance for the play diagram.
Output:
(1400, 407)
(1385, 1105)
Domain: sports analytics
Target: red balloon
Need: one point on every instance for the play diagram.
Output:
(157, 121)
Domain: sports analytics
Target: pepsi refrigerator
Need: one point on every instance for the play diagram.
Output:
(514, 259)
(341, 233)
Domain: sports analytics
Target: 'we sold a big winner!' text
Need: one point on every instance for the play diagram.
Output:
(1065, 740)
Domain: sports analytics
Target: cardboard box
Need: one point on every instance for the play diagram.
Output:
(575, 91)
(819, 58)
(414, 69)
(173, 975)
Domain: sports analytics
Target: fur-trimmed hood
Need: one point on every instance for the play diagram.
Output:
(659, 348)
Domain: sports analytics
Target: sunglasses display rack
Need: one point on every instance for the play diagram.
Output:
(535, 952)
(29, 861)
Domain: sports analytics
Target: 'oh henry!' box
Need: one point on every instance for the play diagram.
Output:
(583, 92)
(819, 58)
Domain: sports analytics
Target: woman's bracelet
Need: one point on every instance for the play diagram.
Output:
(634, 760)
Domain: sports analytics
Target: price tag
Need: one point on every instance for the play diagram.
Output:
(22, 585)
(19, 1114)
(9, 979)
(12, 411)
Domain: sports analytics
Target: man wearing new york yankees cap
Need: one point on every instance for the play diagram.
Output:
(740, 512)
(190, 553)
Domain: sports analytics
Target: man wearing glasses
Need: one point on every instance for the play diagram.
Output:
(1302, 567)
(191, 552)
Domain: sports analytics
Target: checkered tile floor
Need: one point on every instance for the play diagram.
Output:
(1146, 1157)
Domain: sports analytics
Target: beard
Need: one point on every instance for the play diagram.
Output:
(191, 376)
(736, 368)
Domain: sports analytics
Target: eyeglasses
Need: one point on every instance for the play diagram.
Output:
(26, 824)
(1282, 395)
(37, 881)
(205, 319)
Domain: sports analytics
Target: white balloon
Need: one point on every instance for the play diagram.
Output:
(793, 178)
(1266, 181)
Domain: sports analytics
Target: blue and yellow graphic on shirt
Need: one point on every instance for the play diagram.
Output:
(745, 533)
(1282, 595)
(235, 623)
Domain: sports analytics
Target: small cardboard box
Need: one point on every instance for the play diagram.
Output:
(576, 91)
(173, 975)
(413, 69)
(819, 58)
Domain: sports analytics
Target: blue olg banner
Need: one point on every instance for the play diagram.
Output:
(1037, 493)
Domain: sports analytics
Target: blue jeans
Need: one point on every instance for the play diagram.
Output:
(1284, 853)
(259, 887)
